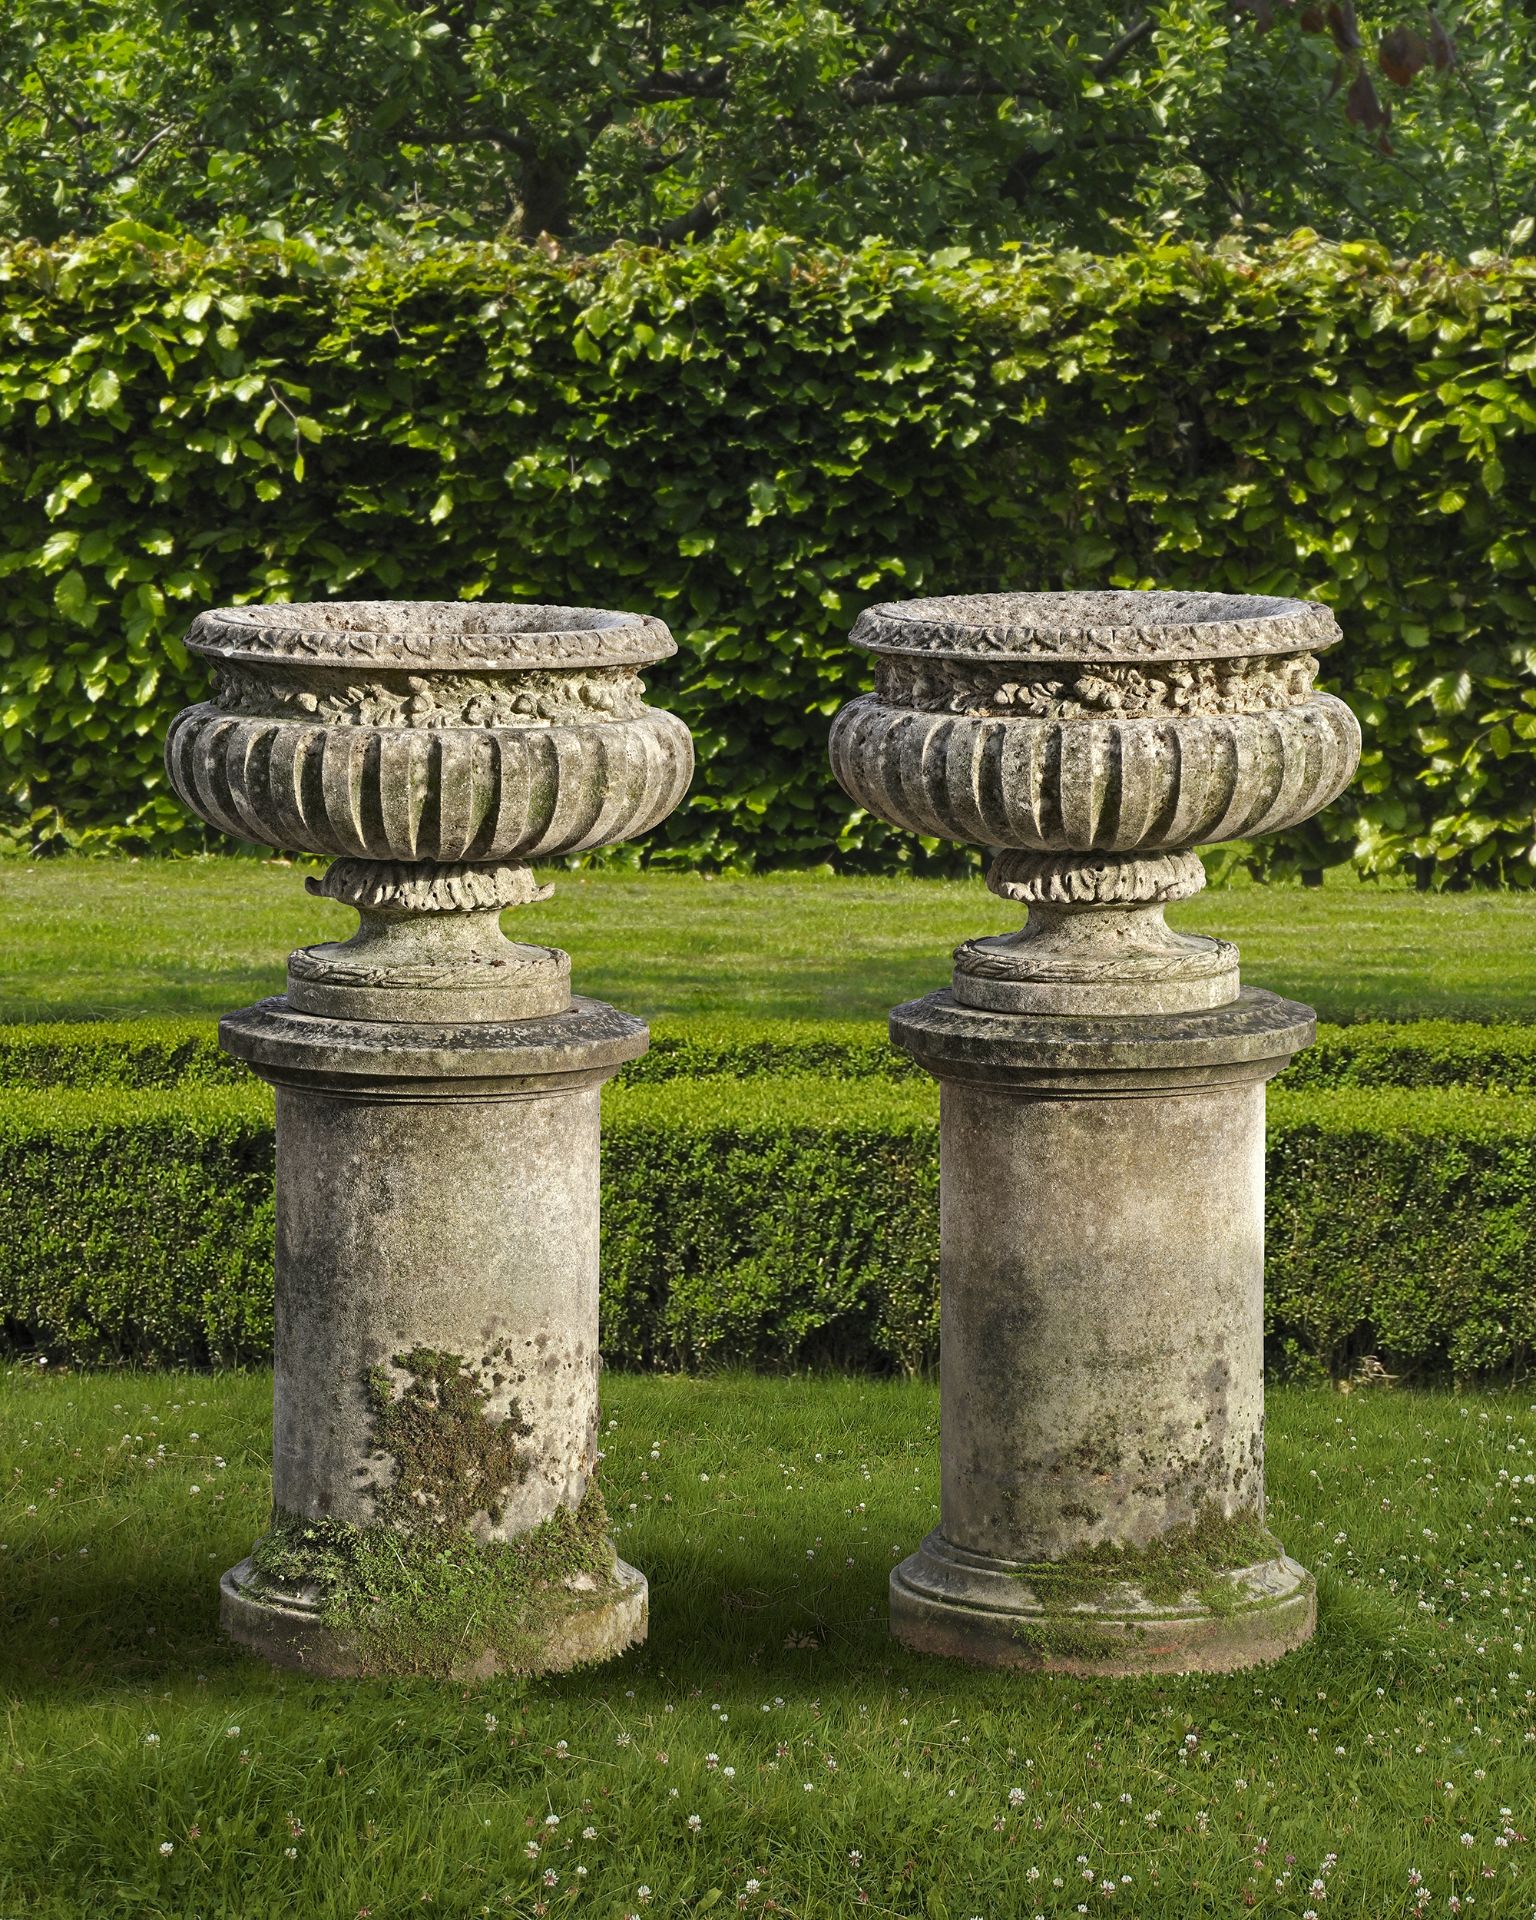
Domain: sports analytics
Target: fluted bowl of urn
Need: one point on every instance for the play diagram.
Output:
(434, 749)
(1091, 742)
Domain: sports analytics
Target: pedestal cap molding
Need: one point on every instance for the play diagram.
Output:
(400, 1060)
(1251, 1038)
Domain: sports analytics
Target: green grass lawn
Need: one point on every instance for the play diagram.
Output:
(150, 1770)
(87, 939)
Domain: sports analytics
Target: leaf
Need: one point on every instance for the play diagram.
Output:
(72, 598)
(104, 390)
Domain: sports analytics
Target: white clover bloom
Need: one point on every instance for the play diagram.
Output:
(167, 1847)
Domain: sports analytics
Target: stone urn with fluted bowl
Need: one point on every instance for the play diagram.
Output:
(1102, 1110)
(436, 1359)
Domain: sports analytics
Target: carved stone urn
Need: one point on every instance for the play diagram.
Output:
(435, 1506)
(1102, 1111)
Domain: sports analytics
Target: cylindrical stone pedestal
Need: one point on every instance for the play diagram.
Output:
(1102, 1271)
(436, 1310)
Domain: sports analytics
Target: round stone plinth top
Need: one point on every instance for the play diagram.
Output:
(421, 636)
(1111, 626)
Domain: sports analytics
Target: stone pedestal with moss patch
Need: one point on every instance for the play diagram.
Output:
(435, 1500)
(1102, 1113)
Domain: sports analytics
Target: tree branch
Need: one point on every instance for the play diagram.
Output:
(903, 87)
(690, 83)
(1127, 44)
(503, 137)
(698, 220)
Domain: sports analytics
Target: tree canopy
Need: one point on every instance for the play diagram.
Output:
(1058, 121)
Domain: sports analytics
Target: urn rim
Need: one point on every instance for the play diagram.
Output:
(1121, 624)
(426, 636)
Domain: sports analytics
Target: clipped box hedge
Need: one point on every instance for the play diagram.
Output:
(773, 1222)
(150, 1053)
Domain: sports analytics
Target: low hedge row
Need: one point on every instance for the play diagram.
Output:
(145, 1054)
(773, 1222)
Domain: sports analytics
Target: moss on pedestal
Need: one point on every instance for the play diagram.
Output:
(1082, 1597)
(1186, 1560)
(418, 1590)
(452, 1457)
(439, 1602)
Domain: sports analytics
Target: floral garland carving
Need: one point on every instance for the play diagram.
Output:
(400, 699)
(1257, 685)
(1095, 879)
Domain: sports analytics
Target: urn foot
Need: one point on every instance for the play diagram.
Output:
(987, 1612)
(569, 1627)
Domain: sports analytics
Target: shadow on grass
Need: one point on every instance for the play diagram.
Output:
(76, 1633)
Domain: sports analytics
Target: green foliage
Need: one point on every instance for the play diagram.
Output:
(755, 439)
(1428, 1260)
(148, 1055)
(775, 1222)
(1047, 120)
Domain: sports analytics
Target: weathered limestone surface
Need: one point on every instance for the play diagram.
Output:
(437, 1119)
(1102, 1133)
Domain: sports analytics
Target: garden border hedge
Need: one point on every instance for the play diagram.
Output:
(160, 1052)
(774, 1222)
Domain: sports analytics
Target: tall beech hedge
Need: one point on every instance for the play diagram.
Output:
(774, 1222)
(755, 438)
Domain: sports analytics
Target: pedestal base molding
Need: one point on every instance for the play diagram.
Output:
(290, 1629)
(981, 1610)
